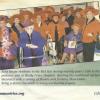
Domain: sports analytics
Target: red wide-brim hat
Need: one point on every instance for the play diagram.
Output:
(12, 18)
(90, 8)
(26, 12)
(65, 11)
(50, 9)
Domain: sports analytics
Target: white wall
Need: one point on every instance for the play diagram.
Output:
(29, 3)
(13, 4)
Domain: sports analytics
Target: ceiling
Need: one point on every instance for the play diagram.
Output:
(11, 4)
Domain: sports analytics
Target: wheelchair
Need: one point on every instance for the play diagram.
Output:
(22, 58)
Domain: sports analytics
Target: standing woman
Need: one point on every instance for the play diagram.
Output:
(37, 22)
(69, 18)
(79, 19)
(45, 24)
(17, 27)
(15, 22)
(55, 31)
(8, 43)
(90, 30)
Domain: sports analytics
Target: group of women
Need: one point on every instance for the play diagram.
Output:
(73, 31)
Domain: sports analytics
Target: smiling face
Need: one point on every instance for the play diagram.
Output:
(89, 15)
(29, 29)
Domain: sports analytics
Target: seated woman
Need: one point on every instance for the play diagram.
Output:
(72, 44)
(32, 44)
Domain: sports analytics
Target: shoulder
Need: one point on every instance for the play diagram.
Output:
(96, 25)
(96, 22)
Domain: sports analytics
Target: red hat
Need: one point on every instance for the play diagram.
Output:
(78, 10)
(37, 11)
(37, 14)
(65, 11)
(12, 18)
(43, 14)
(26, 12)
(46, 12)
(90, 8)
(71, 8)
(50, 9)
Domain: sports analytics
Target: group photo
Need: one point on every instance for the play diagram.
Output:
(50, 35)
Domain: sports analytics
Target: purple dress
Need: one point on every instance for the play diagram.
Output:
(72, 37)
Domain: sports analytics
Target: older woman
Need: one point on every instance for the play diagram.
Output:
(32, 44)
(90, 30)
(79, 19)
